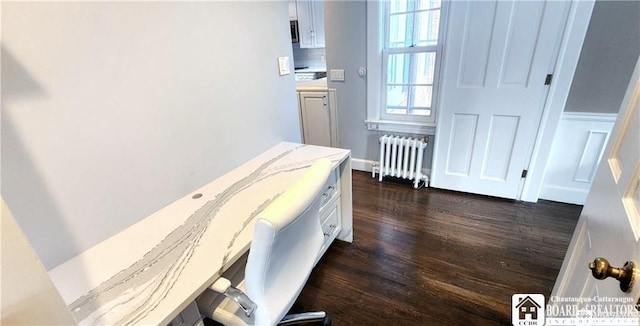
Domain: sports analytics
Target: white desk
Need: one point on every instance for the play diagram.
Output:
(151, 271)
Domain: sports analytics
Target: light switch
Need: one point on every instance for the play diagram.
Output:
(284, 66)
(337, 74)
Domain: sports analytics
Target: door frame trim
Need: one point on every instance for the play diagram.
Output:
(579, 238)
(566, 63)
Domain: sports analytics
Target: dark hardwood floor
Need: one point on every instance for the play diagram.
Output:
(435, 257)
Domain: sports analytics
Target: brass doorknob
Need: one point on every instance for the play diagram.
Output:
(601, 269)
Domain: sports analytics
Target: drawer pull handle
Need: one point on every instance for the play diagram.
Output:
(331, 227)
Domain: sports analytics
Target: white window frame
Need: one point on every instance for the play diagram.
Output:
(377, 119)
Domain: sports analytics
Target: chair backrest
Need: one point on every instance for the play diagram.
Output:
(286, 241)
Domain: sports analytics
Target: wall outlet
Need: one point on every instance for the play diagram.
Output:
(284, 67)
(337, 74)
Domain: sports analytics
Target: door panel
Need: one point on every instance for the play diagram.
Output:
(610, 216)
(497, 56)
(502, 132)
(461, 146)
(476, 42)
(525, 20)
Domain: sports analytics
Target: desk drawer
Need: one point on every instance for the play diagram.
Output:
(331, 189)
(331, 222)
(331, 225)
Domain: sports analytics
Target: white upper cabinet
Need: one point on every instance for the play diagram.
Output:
(293, 11)
(310, 23)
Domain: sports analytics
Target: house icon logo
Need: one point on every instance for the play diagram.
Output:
(527, 310)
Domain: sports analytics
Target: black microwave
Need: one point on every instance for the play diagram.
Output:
(294, 31)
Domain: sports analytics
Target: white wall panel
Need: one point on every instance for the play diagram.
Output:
(591, 154)
(575, 155)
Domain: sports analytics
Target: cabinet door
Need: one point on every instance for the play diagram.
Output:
(311, 23)
(318, 23)
(316, 118)
(305, 23)
(293, 11)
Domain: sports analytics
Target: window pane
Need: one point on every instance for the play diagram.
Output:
(428, 4)
(420, 111)
(397, 95)
(421, 96)
(398, 36)
(396, 6)
(398, 69)
(410, 69)
(424, 65)
(427, 27)
(396, 111)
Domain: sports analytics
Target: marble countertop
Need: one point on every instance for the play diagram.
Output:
(151, 271)
(312, 85)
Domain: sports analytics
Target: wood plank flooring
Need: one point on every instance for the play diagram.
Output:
(435, 257)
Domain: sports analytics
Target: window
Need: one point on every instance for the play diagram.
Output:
(406, 38)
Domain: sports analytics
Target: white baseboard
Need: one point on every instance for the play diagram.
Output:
(564, 194)
(361, 165)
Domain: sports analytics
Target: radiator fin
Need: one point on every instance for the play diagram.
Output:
(401, 157)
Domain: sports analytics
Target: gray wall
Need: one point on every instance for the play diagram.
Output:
(608, 56)
(111, 111)
(346, 48)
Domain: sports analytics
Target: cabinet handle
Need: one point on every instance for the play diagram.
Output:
(331, 227)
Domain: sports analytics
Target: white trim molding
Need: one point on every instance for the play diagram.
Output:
(589, 116)
(401, 127)
(574, 157)
(362, 165)
(377, 120)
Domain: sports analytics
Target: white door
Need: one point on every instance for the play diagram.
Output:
(496, 60)
(609, 225)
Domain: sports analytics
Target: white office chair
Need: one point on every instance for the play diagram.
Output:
(286, 241)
